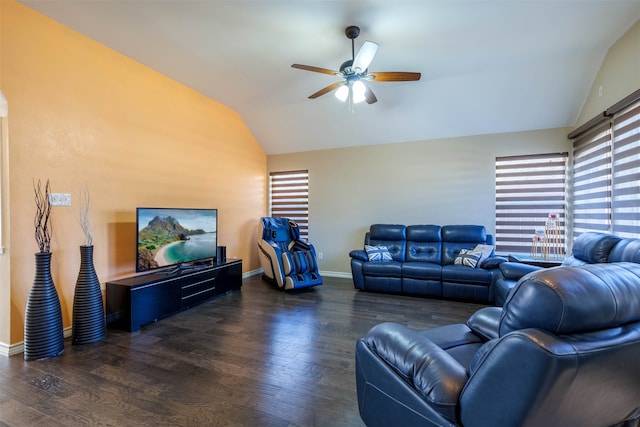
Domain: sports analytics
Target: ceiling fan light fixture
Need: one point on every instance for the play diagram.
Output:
(342, 93)
(358, 90)
(355, 72)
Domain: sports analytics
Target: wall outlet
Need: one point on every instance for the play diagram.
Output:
(60, 199)
(320, 255)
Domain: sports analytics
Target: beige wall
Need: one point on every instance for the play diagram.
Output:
(447, 181)
(81, 114)
(619, 75)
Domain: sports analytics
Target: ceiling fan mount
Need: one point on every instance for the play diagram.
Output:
(352, 32)
(355, 72)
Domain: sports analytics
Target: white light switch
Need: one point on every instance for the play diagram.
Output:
(60, 199)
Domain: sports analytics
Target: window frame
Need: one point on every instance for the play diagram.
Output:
(614, 207)
(289, 198)
(528, 190)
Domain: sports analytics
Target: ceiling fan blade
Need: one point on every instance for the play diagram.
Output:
(326, 90)
(369, 96)
(394, 76)
(364, 56)
(316, 69)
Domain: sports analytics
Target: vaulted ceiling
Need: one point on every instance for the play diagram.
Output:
(487, 66)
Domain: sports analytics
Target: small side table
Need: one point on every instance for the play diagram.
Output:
(539, 262)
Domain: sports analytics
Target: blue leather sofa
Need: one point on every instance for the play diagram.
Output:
(423, 262)
(588, 248)
(564, 350)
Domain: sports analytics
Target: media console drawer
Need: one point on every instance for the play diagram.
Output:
(136, 301)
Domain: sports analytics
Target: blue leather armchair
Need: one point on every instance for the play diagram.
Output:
(564, 350)
(287, 261)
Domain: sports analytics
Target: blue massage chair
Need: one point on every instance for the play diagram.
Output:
(287, 261)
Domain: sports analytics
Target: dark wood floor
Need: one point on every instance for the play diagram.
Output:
(257, 357)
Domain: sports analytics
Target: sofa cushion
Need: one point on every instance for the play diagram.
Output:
(393, 236)
(457, 339)
(462, 274)
(422, 270)
(457, 237)
(424, 243)
(571, 300)
(388, 232)
(464, 233)
(377, 253)
(382, 269)
(594, 247)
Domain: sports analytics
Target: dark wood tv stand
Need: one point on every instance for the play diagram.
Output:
(135, 301)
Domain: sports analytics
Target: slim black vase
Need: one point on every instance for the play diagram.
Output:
(89, 323)
(43, 333)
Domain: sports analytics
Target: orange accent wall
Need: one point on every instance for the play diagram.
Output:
(81, 114)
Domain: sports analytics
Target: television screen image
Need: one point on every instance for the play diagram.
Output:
(172, 237)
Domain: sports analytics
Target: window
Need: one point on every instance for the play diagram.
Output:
(626, 173)
(529, 189)
(606, 173)
(592, 180)
(289, 197)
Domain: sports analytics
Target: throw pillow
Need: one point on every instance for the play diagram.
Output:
(378, 253)
(468, 258)
(487, 251)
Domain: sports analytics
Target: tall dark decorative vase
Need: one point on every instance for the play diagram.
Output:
(89, 323)
(43, 333)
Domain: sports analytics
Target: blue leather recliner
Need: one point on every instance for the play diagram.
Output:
(564, 350)
(287, 261)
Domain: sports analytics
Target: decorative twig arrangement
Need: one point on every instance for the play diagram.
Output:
(84, 204)
(42, 220)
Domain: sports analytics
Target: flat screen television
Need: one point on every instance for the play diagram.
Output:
(176, 237)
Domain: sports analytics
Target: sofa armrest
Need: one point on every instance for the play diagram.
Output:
(359, 254)
(492, 262)
(435, 374)
(486, 322)
(516, 270)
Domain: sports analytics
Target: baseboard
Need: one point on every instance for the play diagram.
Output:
(5, 349)
(18, 348)
(337, 274)
(252, 273)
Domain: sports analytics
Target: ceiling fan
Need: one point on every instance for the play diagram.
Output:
(356, 75)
